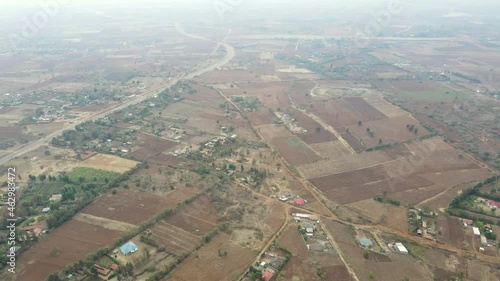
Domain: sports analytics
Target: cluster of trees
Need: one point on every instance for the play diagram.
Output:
(412, 128)
(383, 199)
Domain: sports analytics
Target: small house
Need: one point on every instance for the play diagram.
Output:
(300, 201)
(476, 231)
(129, 248)
(365, 242)
(266, 275)
(401, 248)
(484, 242)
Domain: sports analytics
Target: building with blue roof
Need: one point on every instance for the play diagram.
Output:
(129, 248)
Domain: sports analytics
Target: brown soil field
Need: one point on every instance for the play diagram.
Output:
(289, 146)
(176, 240)
(109, 163)
(261, 117)
(346, 111)
(452, 231)
(13, 132)
(478, 271)
(293, 242)
(312, 136)
(344, 163)
(198, 217)
(73, 241)
(385, 214)
(385, 107)
(392, 268)
(300, 91)
(210, 266)
(331, 149)
(132, 206)
(390, 130)
(351, 178)
(155, 143)
(346, 195)
(271, 94)
(353, 141)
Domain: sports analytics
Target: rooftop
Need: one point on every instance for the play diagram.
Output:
(128, 248)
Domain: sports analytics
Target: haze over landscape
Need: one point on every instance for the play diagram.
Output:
(245, 140)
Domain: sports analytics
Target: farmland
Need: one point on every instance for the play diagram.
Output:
(212, 143)
(65, 245)
(108, 162)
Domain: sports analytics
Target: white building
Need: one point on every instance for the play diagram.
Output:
(401, 248)
(476, 231)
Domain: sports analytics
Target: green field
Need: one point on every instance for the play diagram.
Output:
(91, 175)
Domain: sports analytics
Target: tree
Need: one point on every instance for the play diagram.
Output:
(318, 129)
(242, 168)
(380, 141)
(32, 177)
(232, 166)
(365, 254)
(371, 276)
(360, 123)
(42, 177)
(54, 277)
(405, 278)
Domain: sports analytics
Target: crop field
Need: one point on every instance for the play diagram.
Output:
(176, 240)
(300, 91)
(315, 132)
(226, 76)
(411, 173)
(211, 266)
(131, 206)
(330, 149)
(108, 162)
(91, 174)
(391, 216)
(154, 143)
(346, 111)
(198, 217)
(289, 146)
(65, 245)
(271, 94)
(389, 130)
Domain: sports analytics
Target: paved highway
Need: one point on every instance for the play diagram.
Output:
(45, 140)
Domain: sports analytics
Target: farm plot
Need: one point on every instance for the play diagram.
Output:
(71, 242)
(300, 91)
(155, 143)
(109, 163)
(174, 239)
(346, 111)
(271, 94)
(131, 206)
(315, 132)
(330, 149)
(198, 217)
(210, 265)
(452, 231)
(289, 146)
(391, 216)
(389, 130)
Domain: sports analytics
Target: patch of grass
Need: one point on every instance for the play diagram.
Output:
(91, 175)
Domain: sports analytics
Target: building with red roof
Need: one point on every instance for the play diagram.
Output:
(494, 204)
(266, 275)
(300, 201)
